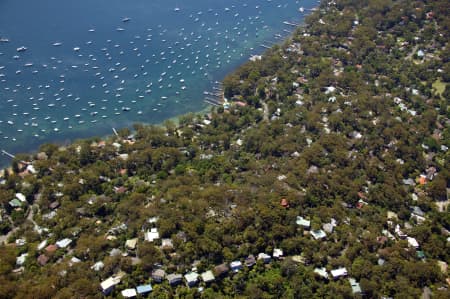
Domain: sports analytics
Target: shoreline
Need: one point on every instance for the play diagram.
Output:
(67, 141)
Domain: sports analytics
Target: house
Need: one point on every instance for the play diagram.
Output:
(54, 205)
(277, 253)
(236, 266)
(336, 273)
(207, 276)
(412, 242)
(131, 244)
(108, 285)
(129, 293)
(284, 203)
(298, 259)
(51, 248)
(250, 261)
(355, 286)
(264, 257)
(399, 232)
(166, 244)
(174, 279)
(43, 259)
(191, 279)
(42, 245)
(158, 275)
(221, 270)
(151, 235)
(361, 203)
(318, 234)
(391, 215)
(98, 266)
(120, 190)
(255, 58)
(443, 266)
(15, 203)
(303, 222)
(21, 197)
(20, 260)
(328, 227)
(63, 243)
(143, 290)
(420, 254)
(321, 272)
(20, 242)
(417, 211)
(422, 179)
(409, 182)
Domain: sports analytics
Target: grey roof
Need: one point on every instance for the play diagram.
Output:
(174, 278)
(355, 286)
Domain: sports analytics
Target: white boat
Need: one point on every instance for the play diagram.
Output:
(21, 49)
(126, 20)
(57, 44)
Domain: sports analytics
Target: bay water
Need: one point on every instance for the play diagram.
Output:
(75, 69)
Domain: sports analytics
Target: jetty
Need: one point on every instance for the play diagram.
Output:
(8, 154)
(291, 24)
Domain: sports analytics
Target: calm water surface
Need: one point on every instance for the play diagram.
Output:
(71, 69)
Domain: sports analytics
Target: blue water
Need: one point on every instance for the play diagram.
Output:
(86, 69)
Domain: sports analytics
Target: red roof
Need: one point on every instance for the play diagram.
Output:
(51, 248)
(284, 203)
(42, 259)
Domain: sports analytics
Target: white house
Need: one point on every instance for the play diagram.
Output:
(336, 273)
(318, 234)
(129, 293)
(303, 222)
(151, 235)
(321, 272)
(207, 276)
(108, 285)
(413, 242)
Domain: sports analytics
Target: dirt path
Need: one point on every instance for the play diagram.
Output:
(265, 111)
